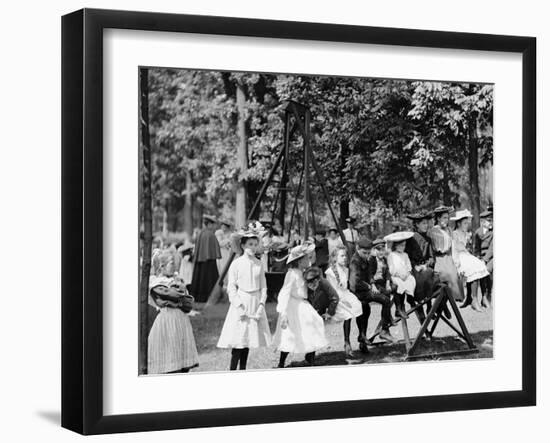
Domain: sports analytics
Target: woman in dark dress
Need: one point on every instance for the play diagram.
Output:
(442, 244)
(205, 267)
(420, 251)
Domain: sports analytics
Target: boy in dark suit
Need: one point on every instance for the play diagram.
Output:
(360, 283)
(483, 249)
(320, 293)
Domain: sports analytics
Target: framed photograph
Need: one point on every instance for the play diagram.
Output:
(269, 221)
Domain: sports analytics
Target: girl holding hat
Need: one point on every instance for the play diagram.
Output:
(246, 323)
(171, 344)
(469, 266)
(349, 305)
(400, 268)
(300, 329)
(442, 245)
(186, 263)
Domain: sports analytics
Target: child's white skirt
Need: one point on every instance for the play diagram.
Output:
(348, 306)
(406, 286)
(471, 267)
(305, 331)
(248, 332)
(171, 344)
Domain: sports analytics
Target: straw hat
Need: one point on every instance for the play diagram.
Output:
(442, 210)
(459, 215)
(209, 218)
(398, 237)
(420, 215)
(486, 214)
(254, 229)
(300, 251)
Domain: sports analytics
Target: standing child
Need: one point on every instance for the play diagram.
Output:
(171, 343)
(246, 323)
(349, 305)
(300, 329)
(468, 265)
(400, 269)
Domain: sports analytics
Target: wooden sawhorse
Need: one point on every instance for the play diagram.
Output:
(440, 298)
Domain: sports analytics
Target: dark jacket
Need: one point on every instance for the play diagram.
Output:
(419, 249)
(483, 244)
(373, 267)
(359, 277)
(324, 298)
(321, 252)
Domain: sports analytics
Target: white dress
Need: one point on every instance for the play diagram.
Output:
(349, 305)
(247, 289)
(171, 343)
(468, 265)
(400, 271)
(305, 331)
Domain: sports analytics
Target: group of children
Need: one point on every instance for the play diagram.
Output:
(387, 271)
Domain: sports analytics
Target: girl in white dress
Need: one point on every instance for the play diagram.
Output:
(400, 269)
(471, 268)
(349, 305)
(171, 343)
(300, 329)
(186, 262)
(246, 323)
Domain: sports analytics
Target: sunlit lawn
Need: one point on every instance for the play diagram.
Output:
(208, 324)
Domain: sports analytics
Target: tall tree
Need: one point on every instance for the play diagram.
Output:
(242, 158)
(147, 219)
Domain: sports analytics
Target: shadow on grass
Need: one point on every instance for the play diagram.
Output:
(392, 353)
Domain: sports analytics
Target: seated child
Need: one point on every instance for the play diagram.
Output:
(400, 269)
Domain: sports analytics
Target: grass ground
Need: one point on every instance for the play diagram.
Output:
(208, 324)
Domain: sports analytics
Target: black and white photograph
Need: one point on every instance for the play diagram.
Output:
(297, 221)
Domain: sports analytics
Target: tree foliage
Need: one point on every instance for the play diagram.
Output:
(388, 146)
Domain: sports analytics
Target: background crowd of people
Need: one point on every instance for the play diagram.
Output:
(322, 279)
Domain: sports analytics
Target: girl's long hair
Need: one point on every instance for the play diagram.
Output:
(332, 261)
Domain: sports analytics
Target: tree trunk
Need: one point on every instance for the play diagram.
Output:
(147, 220)
(188, 208)
(242, 158)
(164, 223)
(473, 170)
(344, 212)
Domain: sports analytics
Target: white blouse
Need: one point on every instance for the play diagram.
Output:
(246, 274)
(343, 273)
(399, 265)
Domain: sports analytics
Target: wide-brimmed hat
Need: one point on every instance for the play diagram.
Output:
(379, 242)
(420, 215)
(463, 213)
(226, 222)
(279, 246)
(186, 246)
(300, 251)
(209, 218)
(486, 214)
(442, 210)
(398, 237)
(312, 273)
(332, 229)
(252, 230)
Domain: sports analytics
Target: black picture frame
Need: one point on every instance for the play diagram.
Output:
(82, 220)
